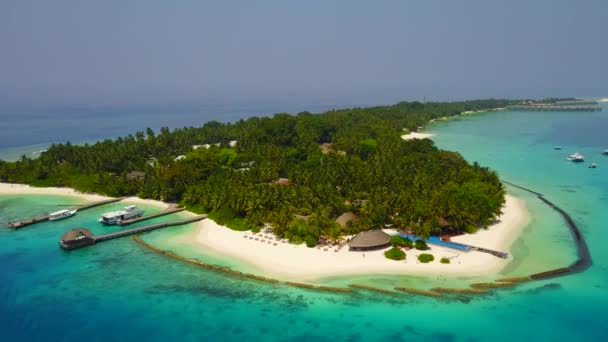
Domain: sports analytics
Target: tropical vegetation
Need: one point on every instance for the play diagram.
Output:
(395, 254)
(425, 258)
(297, 173)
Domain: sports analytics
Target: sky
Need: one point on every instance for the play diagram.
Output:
(156, 53)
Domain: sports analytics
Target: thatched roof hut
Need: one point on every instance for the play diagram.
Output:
(345, 218)
(282, 181)
(136, 175)
(371, 239)
(76, 233)
(76, 238)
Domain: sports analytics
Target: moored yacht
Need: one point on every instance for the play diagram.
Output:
(114, 217)
(576, 157)
(61, 214)
(605, 152)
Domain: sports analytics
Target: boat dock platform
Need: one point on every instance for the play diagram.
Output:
(85, 238)
(38, 219)
(170, 210)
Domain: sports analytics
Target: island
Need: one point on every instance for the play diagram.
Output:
(316, 181)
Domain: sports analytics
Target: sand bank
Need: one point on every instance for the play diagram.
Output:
(23, 189)
(416, 135)
(299, 262)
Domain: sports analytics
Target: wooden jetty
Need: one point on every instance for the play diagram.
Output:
(170, 210)
(38, 219)
(81, 237)
(502, 255)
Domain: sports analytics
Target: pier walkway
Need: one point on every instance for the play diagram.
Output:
(38, 219)
(170, 210)
(94, 239)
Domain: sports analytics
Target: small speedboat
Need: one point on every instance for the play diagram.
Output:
(576, 157)
(557, 147)
(592, 165)
(605, 152)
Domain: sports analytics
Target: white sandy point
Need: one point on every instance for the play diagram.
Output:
(415, 135)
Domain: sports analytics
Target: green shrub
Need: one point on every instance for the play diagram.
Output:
(296, 239)
(310, 241)
(424, 258)
(421, 245)
(395, 254)
(255, 229)
(444, 260)
(398, 240)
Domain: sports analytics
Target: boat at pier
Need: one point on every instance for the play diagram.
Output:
(115, 217)
(61, 214)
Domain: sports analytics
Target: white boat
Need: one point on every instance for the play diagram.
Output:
(114, 217)
(592, 165)
(576, 157)
(605, 152)
(61, 214)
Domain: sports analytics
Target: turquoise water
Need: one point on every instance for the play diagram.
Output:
(120, 291)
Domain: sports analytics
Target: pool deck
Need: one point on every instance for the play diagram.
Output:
(434, 240)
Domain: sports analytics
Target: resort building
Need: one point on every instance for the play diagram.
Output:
(370, 240)
(282, 181)
(136, 175)
(75, 238)
(343, 219)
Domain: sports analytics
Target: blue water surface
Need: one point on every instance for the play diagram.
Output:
(120, 291)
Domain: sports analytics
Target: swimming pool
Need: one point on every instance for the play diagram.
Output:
(436, 240)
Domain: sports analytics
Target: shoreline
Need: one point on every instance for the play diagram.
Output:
(21, 189)
(300, 263)
(417, 135)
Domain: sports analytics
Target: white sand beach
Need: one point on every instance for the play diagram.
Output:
(416, 135)
(23, 189)
(298, 262)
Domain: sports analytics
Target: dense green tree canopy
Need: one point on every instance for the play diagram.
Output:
(365, 168)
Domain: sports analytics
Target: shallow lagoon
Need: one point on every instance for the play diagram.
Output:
(118, 290)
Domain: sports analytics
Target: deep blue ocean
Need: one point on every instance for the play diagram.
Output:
(121, 291)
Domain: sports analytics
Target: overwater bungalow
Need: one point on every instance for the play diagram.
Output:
(76, 238)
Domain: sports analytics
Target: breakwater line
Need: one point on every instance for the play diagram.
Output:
(581, 264)
(584, 256)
